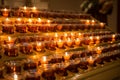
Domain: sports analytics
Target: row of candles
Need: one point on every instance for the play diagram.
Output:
(74, 38)
(69, 61)
(34, 12)
(39, 26)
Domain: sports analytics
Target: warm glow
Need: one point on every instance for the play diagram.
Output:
(72, 34)
(44, 59)
(48, 21)
(25, 7)
(60, 43)
(39, 20)
(65, 34)
(9, 38)
(66, 56)
(93, 21)
(90, 60)
(39, 44)
(102, 24)
(5, 9)
(113, 36)
(15, 77)
(91, 38)
(98, 38)
(7, 19)
(98, 50)
(87, 21)
(30, 20)
(56, 35)
(77, 41)
(34, 8)
(18, 19)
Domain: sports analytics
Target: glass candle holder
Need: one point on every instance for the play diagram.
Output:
(21, 28)
(61, 69)
(32, 28)
(26, 48)
(8, 28)
(29, 65)
(11, 50)
(13, 67)
(5, 12)
(39, 46)
(48, 72)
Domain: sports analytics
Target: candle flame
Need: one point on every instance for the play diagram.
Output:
(25, 7)
(48, 21)
(113, 36)
(39, 43)
(34, 8)
(44, 59)
(97, 37)
(15, 77)
(39, 20)
(9, 38)
(5, 9)
(19, 19)
(29, 20)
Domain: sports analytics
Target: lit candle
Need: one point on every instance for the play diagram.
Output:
(69, 42)
(97, 40)
(80, 35)
(5, 12)
(113, 37)
(65, 35)
(98, 50)
(102, 25)
(77, 41)
(39, 20)
(56, 37)
(44, 60)
(24, 7)
(66, 56)
(18, 20)
(30, 21)
(60, 43)
(93, 22)
(90, 60)
(87, 22)
(9, 40)
(15, 76)
(38, 46)
(91, 40)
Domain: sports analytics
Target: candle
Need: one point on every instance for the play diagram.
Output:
(56, 37)
(92, 22)
(60, 43)
(15, 76)
(9, 40)
(66, 56)
(87, 22)
(69, 42)
(44, 60)
(113, 37)
(5, 12)
(91, 40)
(90, 60)
(24, 7)
(39, 46)
(102, 25)
(97, 40)
(18, 21)
(39, 20)
(98, 50)
(77, 41)
(11, 50)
